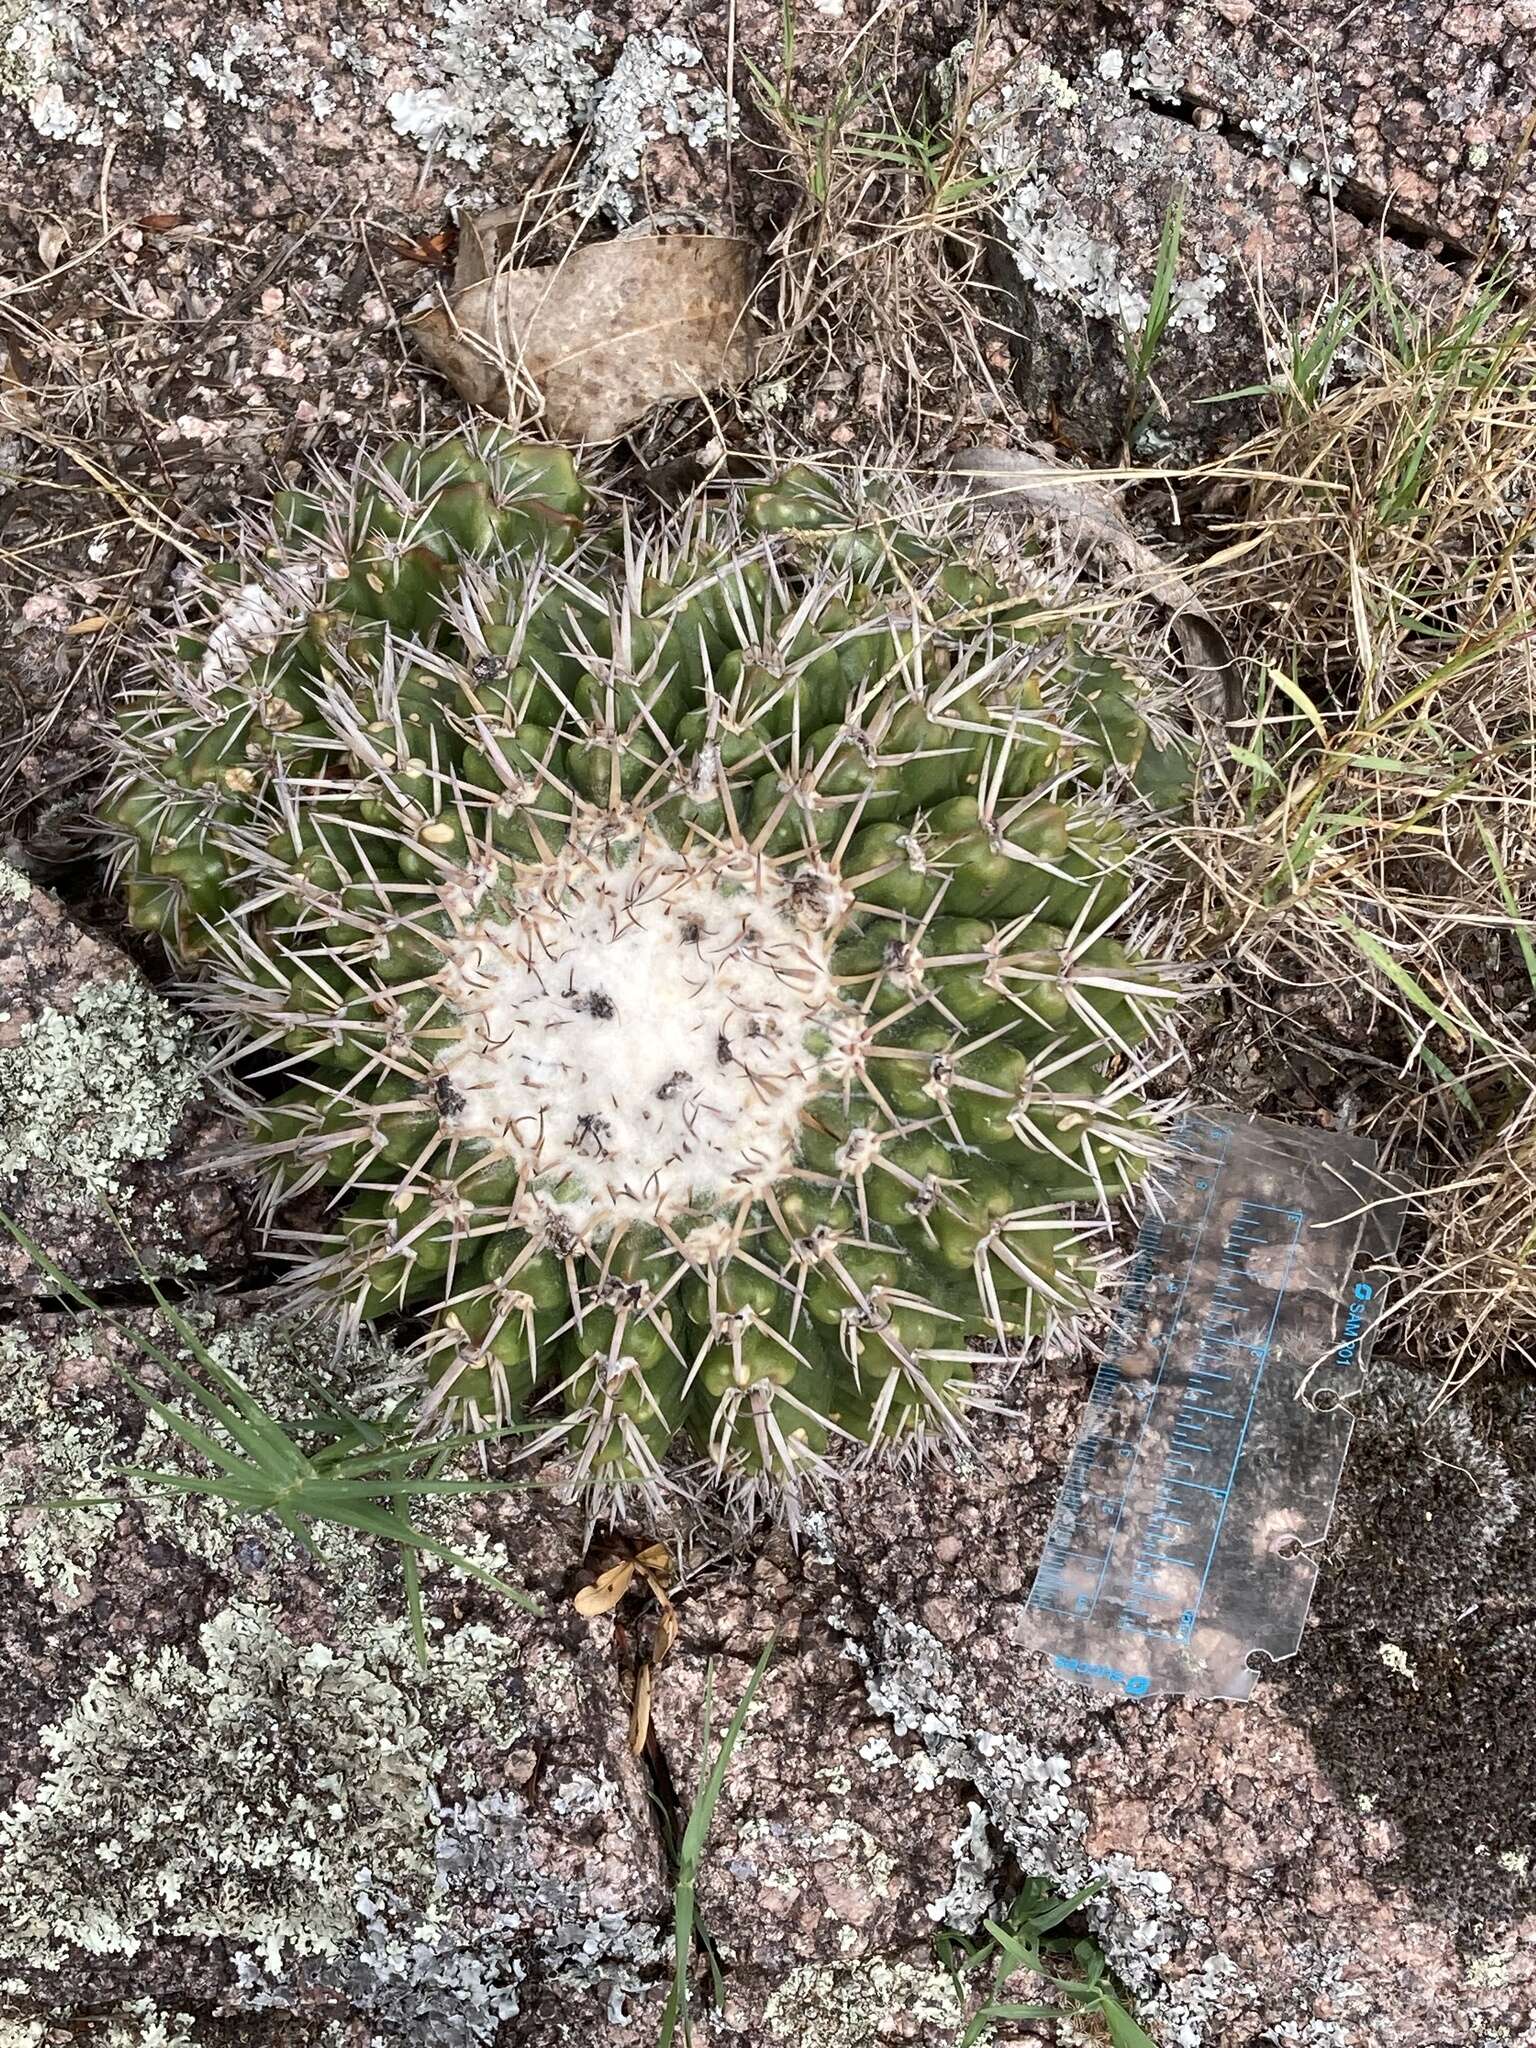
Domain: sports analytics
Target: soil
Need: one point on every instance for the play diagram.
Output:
(212, 236)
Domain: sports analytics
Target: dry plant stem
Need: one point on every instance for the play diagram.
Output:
(882, 255)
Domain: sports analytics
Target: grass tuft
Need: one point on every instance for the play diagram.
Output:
(690, 1857)
(1026, 1940)
(331, 1469)
(1143, 344)
(1363, 846)
(880, 257)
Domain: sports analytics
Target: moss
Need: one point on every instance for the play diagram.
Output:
(86, 1092)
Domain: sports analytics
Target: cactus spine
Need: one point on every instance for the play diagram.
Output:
(688, 962)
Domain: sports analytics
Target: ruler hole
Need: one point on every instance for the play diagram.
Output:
(1288, 1546)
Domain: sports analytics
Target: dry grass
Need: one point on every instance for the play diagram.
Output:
(880, 256)
(1368, 833)
(1475, 1303)
(138, 409)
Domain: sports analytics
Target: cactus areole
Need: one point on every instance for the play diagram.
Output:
(689, 962)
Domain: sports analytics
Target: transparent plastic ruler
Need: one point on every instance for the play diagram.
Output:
(1185, 1535)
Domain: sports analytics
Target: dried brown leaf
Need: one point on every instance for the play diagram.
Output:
(601, 336)
(16, 407)
(607, 1590)
(655, 1561)
(640, 1712)
(486, 241)
(52, 241)
(666, 1635)
(434, 250)
(1089, 513)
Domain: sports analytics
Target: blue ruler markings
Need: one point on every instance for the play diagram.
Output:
(1142, 1509)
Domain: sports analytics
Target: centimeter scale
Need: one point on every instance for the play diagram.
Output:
(1184, 1538)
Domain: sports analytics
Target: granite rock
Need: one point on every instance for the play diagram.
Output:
(228, 1787)
(1093, 159)
(1269, 1875)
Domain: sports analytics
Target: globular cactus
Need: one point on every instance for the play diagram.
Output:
(686, 961)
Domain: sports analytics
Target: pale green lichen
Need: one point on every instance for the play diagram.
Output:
(1050, 246)
(829, 2005)
(14, 885)
(650, 92)
(1026, 1806)
(85, 1092)
(284, 1797)
(36, 41)
(30, 35)
(494, 67)
(138, 2024)
(844, 1843)
(141, 2025)
(508, 69)
(52, 1448)
(258, 1794)
(428, 1979)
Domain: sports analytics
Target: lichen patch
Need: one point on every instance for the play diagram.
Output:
(128, 1834)
(85, 1092)
(651, 92)
(509, 68)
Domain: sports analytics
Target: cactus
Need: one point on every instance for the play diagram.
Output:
(681, 969)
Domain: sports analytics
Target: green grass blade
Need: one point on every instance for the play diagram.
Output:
(374, 1519)
(1042, 1920)
(690, 1853)
(1416, 993)
(269, 1473)
(410, 1567)
(260, 1435)
(217, 1454)
(253, 1498)
(1145, 346)
(1522, 925)
(1122, 2029)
